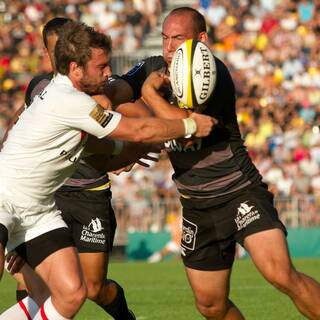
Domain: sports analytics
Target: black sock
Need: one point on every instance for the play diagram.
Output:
(21, 294)
(118, 308)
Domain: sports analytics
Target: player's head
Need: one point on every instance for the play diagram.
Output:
(84, 54)
(50, 33)
(181, 24)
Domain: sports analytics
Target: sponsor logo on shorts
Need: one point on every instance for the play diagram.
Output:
(92, 233)
(245, 215)
(101, 115)
(189, 234)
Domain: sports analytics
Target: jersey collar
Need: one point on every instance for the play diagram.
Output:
(60, 78)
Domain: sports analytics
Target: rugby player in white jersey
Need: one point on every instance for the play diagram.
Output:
(42, 151)
(83, 199)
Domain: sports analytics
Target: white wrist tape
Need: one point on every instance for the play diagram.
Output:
(190, 127)
(118, 146)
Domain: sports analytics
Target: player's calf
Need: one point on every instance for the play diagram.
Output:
(118, 307)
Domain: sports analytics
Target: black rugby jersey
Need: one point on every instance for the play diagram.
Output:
(85, 176)
(216, 166)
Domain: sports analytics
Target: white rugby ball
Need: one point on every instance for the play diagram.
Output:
(193, 73)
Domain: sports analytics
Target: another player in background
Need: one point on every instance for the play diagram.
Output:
(85, 203)
(34, 163)
(223, 197)
(172, 247)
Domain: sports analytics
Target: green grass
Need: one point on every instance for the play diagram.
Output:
(160, 291)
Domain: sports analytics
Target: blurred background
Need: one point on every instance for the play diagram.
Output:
(271, 47)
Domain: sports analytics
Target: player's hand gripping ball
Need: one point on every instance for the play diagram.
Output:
(193, 74)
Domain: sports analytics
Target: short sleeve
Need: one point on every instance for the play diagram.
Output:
(99, 122)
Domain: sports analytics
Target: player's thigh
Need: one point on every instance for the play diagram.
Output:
(269, 252)
(94, 266)
(29, 280)
(209, 287)
(55, 258)
(61, 271)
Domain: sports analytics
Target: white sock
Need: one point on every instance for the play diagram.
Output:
(156, 257)
(25, 309)
(49, 312)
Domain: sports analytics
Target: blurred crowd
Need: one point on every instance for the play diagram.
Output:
(21, 49)
(272, 48)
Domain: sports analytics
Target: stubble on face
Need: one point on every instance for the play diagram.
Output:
(89, 87)
(94, 76)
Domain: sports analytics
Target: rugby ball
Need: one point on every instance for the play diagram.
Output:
(192, 74)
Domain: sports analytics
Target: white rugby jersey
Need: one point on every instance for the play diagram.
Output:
(43, 147)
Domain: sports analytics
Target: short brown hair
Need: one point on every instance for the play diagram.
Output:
(75, 44)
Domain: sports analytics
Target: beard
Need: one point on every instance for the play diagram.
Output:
(90, 88)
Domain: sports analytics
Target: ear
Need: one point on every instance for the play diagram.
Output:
(203, 36)
(75, 70)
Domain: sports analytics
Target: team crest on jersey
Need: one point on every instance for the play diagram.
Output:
(100, 115)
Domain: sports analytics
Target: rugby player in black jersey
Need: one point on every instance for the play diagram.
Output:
(223, 197)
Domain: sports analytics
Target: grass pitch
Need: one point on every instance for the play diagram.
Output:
(161, 292)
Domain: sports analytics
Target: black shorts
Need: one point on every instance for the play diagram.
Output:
(36, 250)
(210, 232)
(90, 218)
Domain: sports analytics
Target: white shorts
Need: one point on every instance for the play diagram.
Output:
(26, 222)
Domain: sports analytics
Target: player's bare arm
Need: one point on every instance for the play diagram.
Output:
(153, 98)
(137, 109)
(155, 130)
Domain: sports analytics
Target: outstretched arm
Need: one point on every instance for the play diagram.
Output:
(156, 130)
